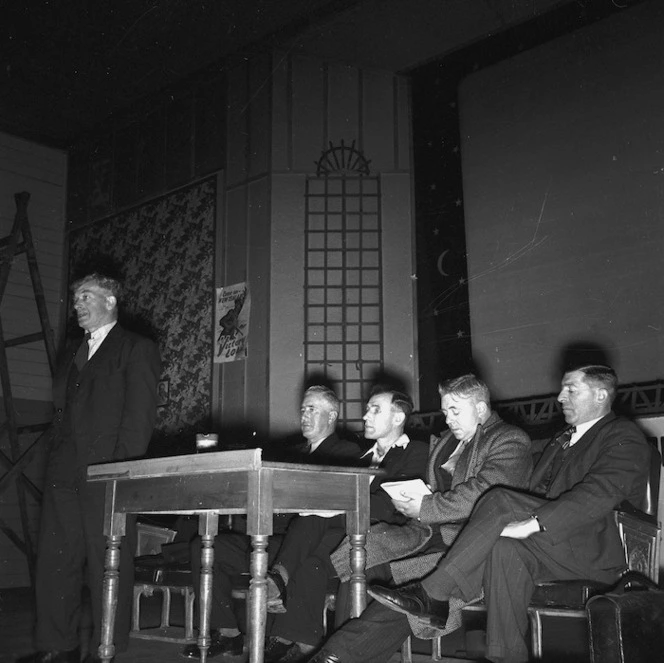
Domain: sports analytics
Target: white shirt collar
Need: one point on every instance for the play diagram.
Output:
(402, 441)
(102, 332)
(98, 336)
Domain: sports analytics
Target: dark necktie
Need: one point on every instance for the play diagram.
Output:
(443, 476)
(81, 358)
(563, 441)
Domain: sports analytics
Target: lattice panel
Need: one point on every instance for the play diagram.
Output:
(343, 293)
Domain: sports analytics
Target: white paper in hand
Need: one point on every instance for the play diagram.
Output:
(397, 490)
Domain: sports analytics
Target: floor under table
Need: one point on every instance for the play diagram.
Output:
(16, 624)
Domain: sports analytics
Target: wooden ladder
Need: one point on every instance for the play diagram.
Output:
(17, 243)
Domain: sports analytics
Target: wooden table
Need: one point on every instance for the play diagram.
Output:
(229, 482)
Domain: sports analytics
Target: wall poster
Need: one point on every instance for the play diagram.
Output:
(232, 323)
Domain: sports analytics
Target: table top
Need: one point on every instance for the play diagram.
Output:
(233, 482)
(219, 462)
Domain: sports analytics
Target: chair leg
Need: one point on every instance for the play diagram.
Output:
(189, 598)
(136, 617)
(535, 633)
(436, 649)
(407, 651)
(165, 606)
(330, 605)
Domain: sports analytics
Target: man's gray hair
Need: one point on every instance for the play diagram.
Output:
(327, 395)
(103, 281)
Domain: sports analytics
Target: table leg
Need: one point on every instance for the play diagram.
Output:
(257, 598)
(358, 581)
(208, 526)
(109, 597)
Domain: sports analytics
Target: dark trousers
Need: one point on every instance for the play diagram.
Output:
(508, 569)
(380, 575)
(71, 554)
(305, 554)
(372, 638)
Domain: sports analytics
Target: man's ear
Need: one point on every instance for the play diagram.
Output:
(482, 408)
(399, 417)
(111, 302)
(602, 395)
(333, 416)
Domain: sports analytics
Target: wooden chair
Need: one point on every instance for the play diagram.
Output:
(561, 604)
(156, 577)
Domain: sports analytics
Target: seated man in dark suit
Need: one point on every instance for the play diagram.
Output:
(319, 413)
(562, 529)
(302, 570)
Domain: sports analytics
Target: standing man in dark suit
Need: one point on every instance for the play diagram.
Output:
(105, 396)
(319, 414)
(562, 529)
(302, 570)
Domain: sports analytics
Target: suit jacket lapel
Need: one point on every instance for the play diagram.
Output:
(324, 447)
(586, 439)
(108, 346)
(540, 471)
(443, 449)
(393, 458)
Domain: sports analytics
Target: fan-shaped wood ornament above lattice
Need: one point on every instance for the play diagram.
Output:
(342, 160)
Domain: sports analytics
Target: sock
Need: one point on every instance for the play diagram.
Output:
(281, 570)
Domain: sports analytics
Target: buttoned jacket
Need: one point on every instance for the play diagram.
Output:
(107, 410)
(608, 465)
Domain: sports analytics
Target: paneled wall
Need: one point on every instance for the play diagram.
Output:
(284, 112)
(41, 171)
(168, 141)
(143, 193)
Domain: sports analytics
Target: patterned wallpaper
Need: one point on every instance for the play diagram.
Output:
(165, 251)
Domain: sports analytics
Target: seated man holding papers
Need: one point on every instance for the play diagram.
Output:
(477, 452)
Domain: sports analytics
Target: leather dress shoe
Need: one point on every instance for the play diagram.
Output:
(221, 644)
(413, 600)
(53, 656)
(275, 650)
(324, 656)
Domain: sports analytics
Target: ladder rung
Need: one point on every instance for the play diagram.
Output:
(4, 245)
(32, 428)
(22, 340)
